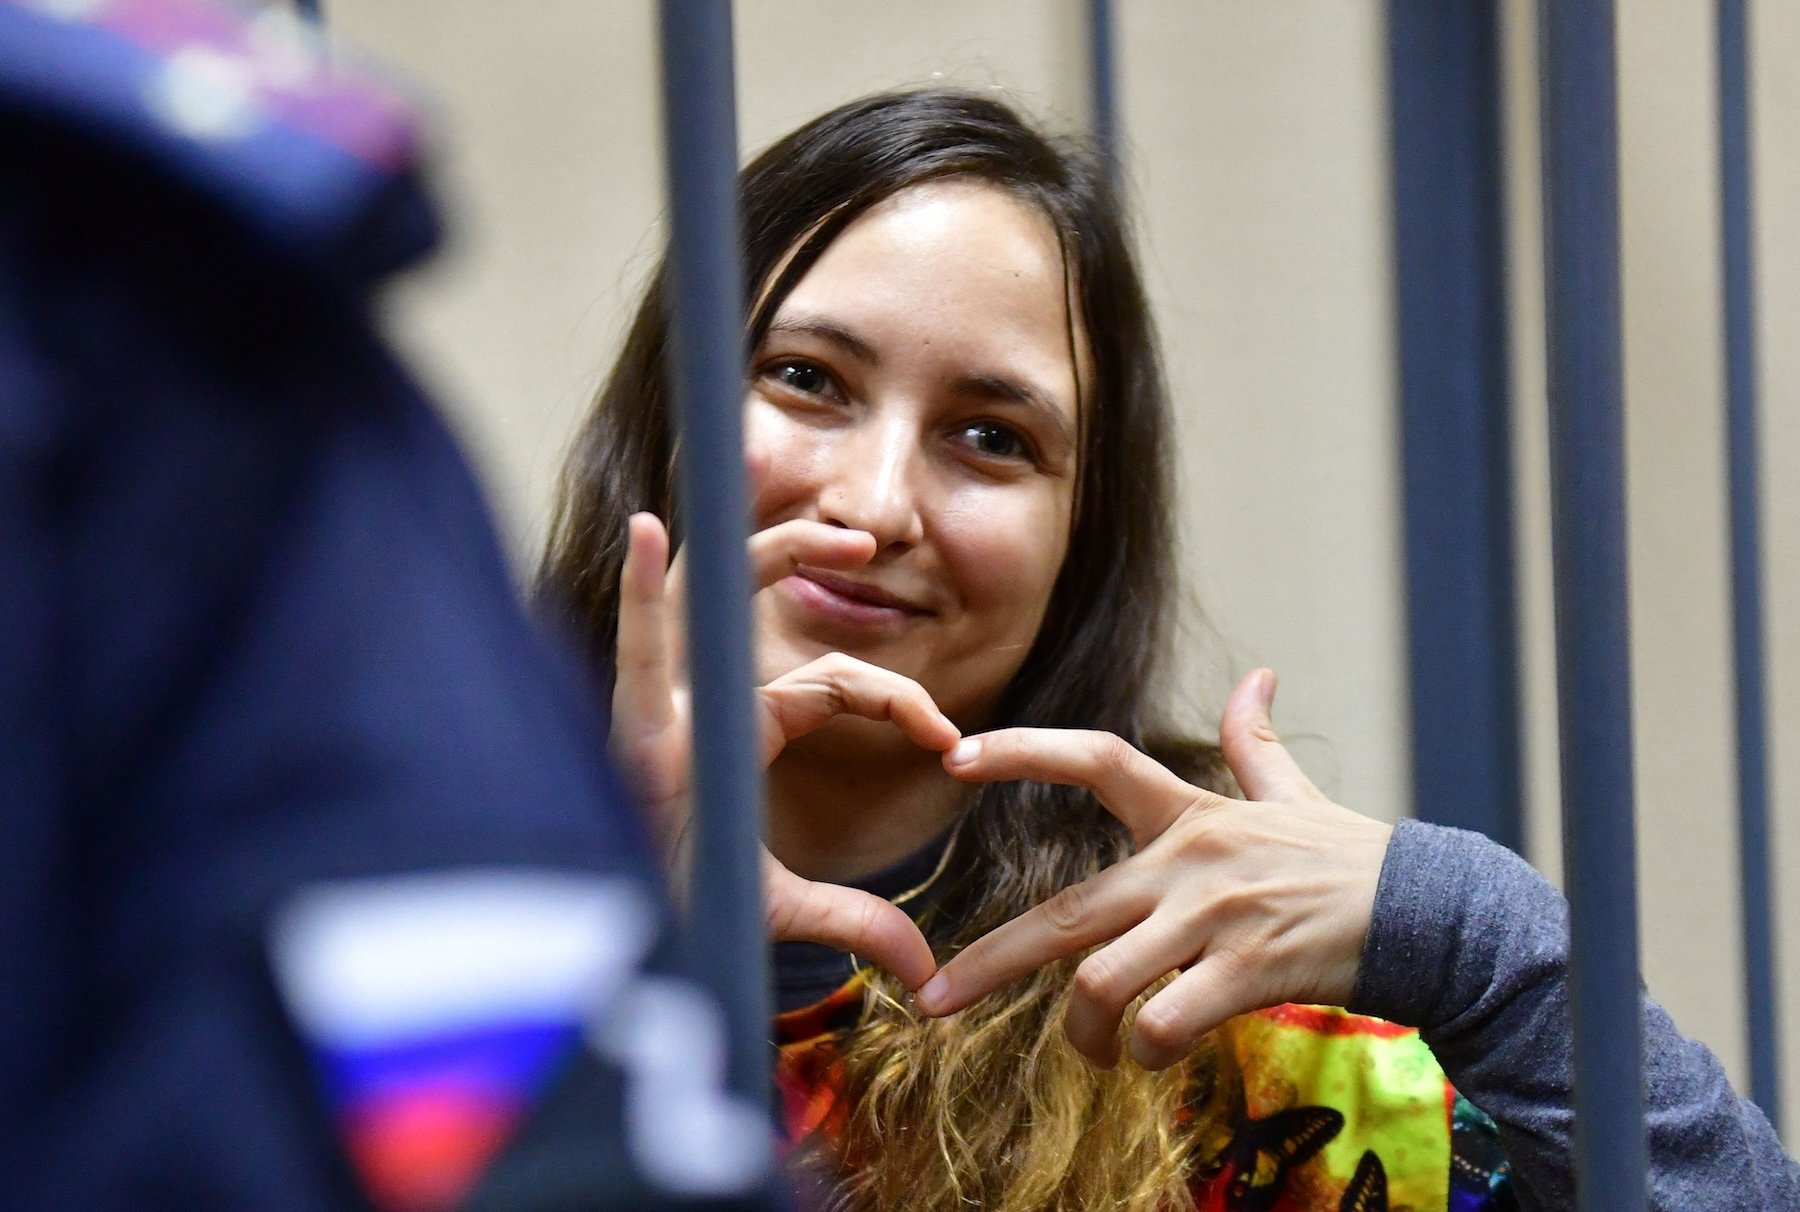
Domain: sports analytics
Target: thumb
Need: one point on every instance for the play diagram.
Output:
(850, 920)
(1260, 762)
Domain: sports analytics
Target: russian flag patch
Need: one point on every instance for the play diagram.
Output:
(436, 1007)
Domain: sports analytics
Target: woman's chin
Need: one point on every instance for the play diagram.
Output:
(781, 653)
(859, 744)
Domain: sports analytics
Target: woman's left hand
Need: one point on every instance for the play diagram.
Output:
(1255, 903)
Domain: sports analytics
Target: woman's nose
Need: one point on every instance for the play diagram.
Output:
(871, 485)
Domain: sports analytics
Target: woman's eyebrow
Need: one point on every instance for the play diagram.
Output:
(829, 330)
(1003, 387)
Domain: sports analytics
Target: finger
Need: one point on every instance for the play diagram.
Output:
(796, 703)
(1079, 916)
(641, 690)
(776, 552)
(1107, 982)
(850, 920)
(1132, 786)
(1261, 763)
(1169, 1025)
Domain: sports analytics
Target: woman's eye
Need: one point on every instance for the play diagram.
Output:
(995, 441)
(802, 377)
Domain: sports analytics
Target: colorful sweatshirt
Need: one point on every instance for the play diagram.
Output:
(1313, 1110)
(1334, 1110)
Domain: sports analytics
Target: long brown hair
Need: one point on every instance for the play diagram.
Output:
(990, 1107)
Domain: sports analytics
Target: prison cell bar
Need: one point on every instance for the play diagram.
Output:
(1103, 88)
(1593, 659)
(727, 946)
(1746, 559)
(1456, 443)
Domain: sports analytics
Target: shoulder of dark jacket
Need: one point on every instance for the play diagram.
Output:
(311, 156)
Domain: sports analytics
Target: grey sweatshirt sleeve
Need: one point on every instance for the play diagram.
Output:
(1469, 944)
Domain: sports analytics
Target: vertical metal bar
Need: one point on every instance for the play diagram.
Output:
(727, 941)
(1746, 559)
(1456, 441)
(1587, 471)
(1103, 97)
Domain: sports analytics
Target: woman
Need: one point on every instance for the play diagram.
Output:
(959, 438)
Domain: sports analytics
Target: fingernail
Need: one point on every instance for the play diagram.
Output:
(933, 994)
(1265, 689)
(966, 751)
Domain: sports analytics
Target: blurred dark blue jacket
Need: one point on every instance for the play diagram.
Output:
(257, 632)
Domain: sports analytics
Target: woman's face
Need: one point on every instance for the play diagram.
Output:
(918, 384)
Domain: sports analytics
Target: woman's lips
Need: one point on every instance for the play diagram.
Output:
(849, 601)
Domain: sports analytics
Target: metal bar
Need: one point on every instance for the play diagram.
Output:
(1587, 471)
(1760, 997)
(1456, 440)
(1103, 98)
(728, 946)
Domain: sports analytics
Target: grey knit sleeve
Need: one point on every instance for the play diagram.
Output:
(1469, 944)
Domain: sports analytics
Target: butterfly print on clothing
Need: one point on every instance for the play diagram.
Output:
(1367, 1191)
(1264, 1150)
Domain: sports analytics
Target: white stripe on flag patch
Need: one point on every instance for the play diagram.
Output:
(376, 960)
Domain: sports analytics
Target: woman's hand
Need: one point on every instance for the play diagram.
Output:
(651, 728)
(1255, 904)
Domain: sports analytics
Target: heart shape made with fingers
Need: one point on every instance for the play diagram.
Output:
(651, 734)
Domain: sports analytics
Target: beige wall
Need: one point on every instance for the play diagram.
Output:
(1680, 569)
(1256, 152)
(548, 143)
(1255, 137)
(1775, 32)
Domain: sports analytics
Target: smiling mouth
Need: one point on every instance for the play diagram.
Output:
(850, 601)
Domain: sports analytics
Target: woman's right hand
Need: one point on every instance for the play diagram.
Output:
(652, 727)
